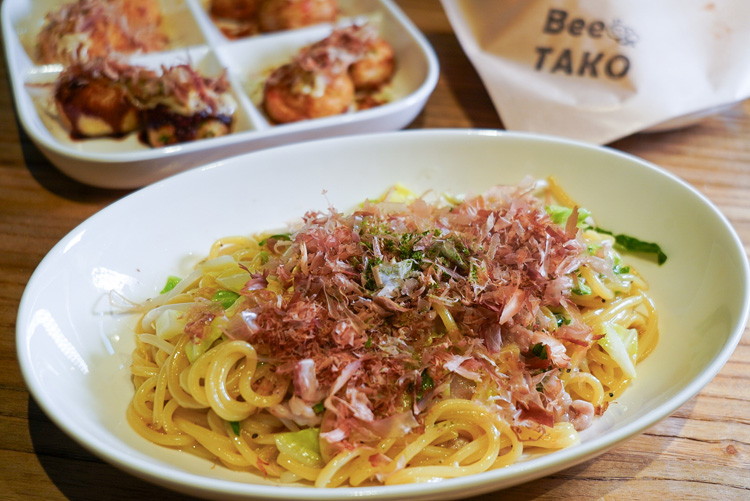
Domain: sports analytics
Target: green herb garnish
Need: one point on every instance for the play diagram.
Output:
(427, 381)
(368, 274)
(540, 351)
(561, 319)
(618, 267)
(581, 289)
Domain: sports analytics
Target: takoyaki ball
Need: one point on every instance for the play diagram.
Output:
(240, 10)
(164, 127)
(141, 13)
(376, 67)
(367, 101)
(276, 15)
(292, 94)
(90, 29)
(186, 106)
(94, 106)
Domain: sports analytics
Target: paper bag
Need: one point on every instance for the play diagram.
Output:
(599, 70)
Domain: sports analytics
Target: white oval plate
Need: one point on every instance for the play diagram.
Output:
(128, 163)
(74, 347)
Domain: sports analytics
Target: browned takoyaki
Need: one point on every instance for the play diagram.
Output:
(376, 67)
(91, 104)
(110, 98)
(293, 94)
(91, 29)
(323, 77)
(276, 15)
(239, 10)
(187, 107)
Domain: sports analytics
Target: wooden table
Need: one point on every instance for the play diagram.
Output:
(702, 451)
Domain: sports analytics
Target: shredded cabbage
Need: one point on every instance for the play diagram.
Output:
(622, 345)
(233, 279)
(170, 323)
(560, 214)
(194, 350)
(302, 446)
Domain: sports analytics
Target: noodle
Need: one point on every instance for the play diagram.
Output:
(406, 342)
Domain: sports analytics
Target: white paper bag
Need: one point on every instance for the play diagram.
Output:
(599, 70)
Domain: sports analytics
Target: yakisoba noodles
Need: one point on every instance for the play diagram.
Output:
(406, 341)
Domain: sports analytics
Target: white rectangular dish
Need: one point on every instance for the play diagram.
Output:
(194, 38)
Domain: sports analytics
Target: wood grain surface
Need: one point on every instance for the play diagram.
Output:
(702, 451)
